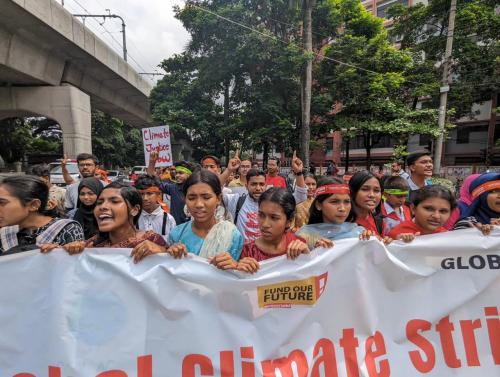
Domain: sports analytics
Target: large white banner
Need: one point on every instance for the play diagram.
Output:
(428, 308)
(157, 139)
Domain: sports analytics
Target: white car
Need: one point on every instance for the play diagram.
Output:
(136, 172)
(56, 176)
(115, 175)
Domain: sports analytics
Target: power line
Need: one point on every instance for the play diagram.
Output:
(274, 37)
(130, 40)
(113, 38)
(97, 22)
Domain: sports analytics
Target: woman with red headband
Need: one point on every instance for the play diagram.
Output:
(485, 206)
(330, 215)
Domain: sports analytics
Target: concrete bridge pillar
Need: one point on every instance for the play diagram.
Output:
(67, 105)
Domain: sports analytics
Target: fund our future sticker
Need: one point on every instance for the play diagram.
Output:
(290, 293)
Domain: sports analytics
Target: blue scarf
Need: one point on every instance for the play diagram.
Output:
(313, 232)
(479, 207)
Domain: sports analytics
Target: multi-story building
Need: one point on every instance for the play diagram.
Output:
(470, 144)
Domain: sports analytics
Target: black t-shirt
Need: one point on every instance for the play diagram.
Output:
(177, 201)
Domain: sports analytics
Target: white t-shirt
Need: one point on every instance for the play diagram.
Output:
(154, 221)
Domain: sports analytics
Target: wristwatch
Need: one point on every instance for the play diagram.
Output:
(299, 173)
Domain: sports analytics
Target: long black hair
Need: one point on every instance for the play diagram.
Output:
(203, 176)
(316, 215)
(209, 178)
(283, 198)
(434, 191)
(131, 197)
(27, 188)
(355, 183)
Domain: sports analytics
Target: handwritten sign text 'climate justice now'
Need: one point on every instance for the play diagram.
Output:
(157, 138)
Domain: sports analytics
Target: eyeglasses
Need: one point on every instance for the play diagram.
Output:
(86, 165)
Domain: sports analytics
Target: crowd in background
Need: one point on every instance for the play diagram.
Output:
(238, 217)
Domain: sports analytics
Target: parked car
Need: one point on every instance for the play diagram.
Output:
(56, 176)
(116, 175)
(137, 171)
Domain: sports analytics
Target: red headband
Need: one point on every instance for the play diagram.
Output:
(153, 189)
(333, 189)
(488, 186)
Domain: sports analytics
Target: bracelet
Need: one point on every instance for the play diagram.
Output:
(299, 173)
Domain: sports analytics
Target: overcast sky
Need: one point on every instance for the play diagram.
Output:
(153, 33)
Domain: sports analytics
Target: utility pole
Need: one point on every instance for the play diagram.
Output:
(306, 87)
(109, 15)
(445, 88)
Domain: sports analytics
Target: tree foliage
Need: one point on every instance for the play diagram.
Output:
(22, 136)
(475, 63)
(236, 86)
(368, 86)
(114, 142)
(232, 86)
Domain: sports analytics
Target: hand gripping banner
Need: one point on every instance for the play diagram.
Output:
(430, 308)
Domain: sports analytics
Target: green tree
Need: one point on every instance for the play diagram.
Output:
(371, 99)
(15, 140)
(475, 63)
(114, 142)
(181, 101)
(233, 86)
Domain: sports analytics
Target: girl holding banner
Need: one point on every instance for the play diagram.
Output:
(330, 214)
(484, 208)
(431, 206)
(276, 213)
(24, 224)
(117, 211)
(207, 234)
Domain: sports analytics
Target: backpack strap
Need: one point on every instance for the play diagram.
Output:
(164, 224)
(239, 204)
(379, 223)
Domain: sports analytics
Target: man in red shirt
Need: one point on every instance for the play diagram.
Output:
(272, 177)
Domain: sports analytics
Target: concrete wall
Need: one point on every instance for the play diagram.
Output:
(67, 105)
(41, 43)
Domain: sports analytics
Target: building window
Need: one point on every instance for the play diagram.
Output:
(329, 145)
(357, 142)
(463, 133)
(424, 140)
(383, 6)
(384, 141)
(379, 141)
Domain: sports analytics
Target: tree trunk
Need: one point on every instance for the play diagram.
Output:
(227, 141)
(305, 135)
(347, 146)
(265, 155)
(491, 129)
(368, 147)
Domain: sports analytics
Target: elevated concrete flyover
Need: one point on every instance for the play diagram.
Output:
(52, 65)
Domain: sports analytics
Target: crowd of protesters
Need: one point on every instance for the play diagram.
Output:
(238, 217)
